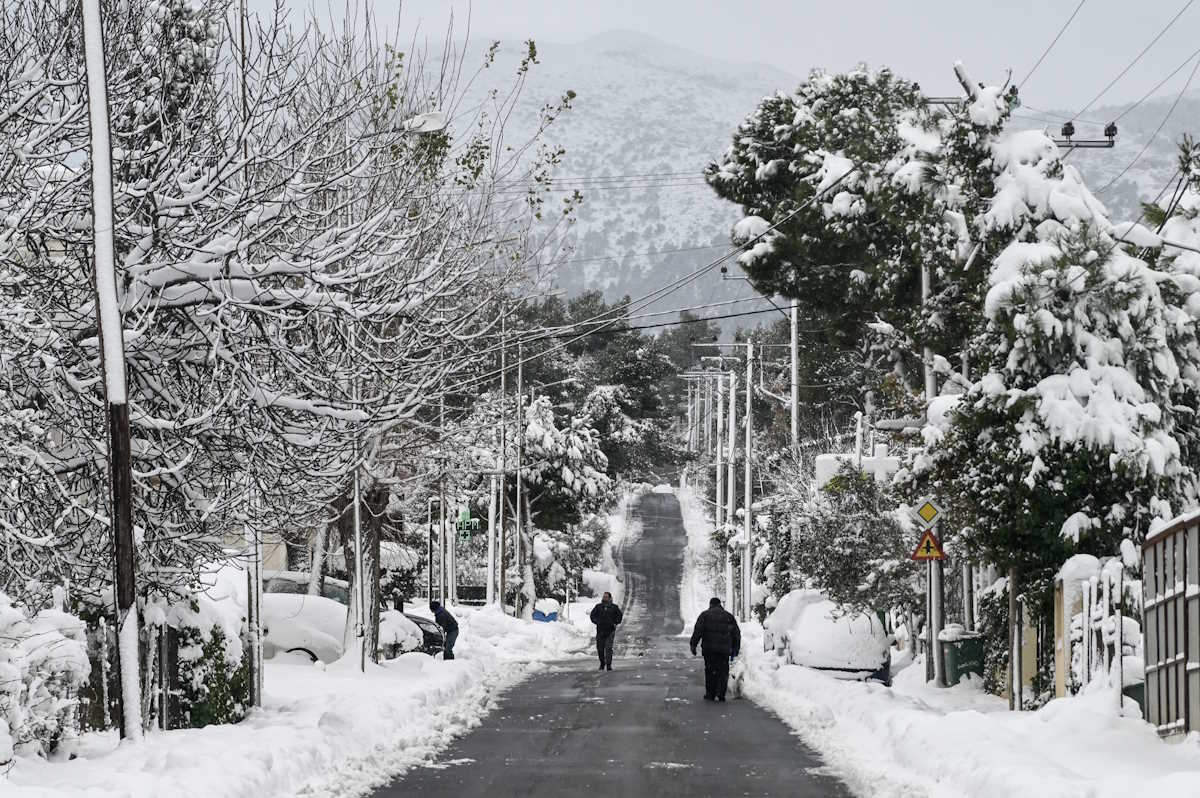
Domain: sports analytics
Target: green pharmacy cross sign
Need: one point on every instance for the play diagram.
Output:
(466, 525)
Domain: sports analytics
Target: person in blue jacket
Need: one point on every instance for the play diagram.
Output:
(449, 628)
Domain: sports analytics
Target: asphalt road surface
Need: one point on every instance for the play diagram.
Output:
(642, 729)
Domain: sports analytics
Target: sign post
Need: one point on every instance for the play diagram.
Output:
(929, 549)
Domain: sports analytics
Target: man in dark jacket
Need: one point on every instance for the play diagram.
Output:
(717, 631)
(607, 617)
(449, 628)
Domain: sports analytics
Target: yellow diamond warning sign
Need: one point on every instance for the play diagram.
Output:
(927, 512)
(930, 548)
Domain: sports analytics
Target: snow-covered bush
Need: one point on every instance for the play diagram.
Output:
(853, 544)
(213, 682)
(43, 663)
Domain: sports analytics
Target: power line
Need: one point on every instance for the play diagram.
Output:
(1154, 135)
(1146, 96)
(606, 178)
(646, 254)
(676, 323)
(669, 288)
(1050, 47)
(1136, 59)
(1062, 117)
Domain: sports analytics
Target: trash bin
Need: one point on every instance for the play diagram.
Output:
(963, 655)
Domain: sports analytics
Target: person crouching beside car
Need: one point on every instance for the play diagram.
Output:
(449, 628)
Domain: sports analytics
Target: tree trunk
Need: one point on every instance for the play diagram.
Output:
(371, 511)
(316, 575)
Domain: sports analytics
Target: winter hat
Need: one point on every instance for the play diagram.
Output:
(714, 602)
(433, 605)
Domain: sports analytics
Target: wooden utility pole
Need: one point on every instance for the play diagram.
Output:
(112, 358)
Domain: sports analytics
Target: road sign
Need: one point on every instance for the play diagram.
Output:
(466, 524)
(927, 512)
(929, 548)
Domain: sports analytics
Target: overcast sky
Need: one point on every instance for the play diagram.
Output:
(795, 35)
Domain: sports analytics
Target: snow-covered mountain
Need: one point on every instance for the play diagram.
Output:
(644, 107)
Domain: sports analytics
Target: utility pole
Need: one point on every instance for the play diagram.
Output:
(520, 474)
(937, 594)
(720, 478)
(253, 541)
(490, 596)
(689, 425)
(968, 571)
(748, 552)
(708, 415)
(795, 343)
(503, 449)
(442, 496)
(731, 486)
(429, 527)
(112, 353)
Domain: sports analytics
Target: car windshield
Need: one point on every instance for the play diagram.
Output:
(329, 590)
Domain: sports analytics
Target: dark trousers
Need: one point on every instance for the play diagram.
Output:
(604, 645)
(448, 645)
(716, 674)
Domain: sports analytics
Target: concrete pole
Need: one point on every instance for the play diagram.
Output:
(503, 451)
(731, 486)
(520, 473)
(968, 570)
(926, 351)
(748, 553)
(690, 421)
(795, 351)
(708, 414)
(491, 543)
(720, 440)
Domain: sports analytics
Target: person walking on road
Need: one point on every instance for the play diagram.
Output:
(717, 631)
(449, 626)
(607, 617)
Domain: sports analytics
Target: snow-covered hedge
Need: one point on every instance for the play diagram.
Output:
(43, 663)
(213, 684)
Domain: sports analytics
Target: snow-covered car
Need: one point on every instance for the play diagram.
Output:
(396, 629)
(808, 629)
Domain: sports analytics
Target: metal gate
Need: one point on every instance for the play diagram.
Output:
(1171, 625)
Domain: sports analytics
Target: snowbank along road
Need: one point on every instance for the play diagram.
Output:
(642, 729)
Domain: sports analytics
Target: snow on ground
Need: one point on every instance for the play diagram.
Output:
(695, 591)
(324, 730)
(917, 740)
(623, 528)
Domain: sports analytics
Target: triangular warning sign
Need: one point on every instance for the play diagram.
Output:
(930, 548)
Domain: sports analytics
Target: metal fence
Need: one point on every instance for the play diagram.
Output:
(1171, 625)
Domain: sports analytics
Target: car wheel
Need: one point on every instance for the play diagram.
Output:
(311, 655)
